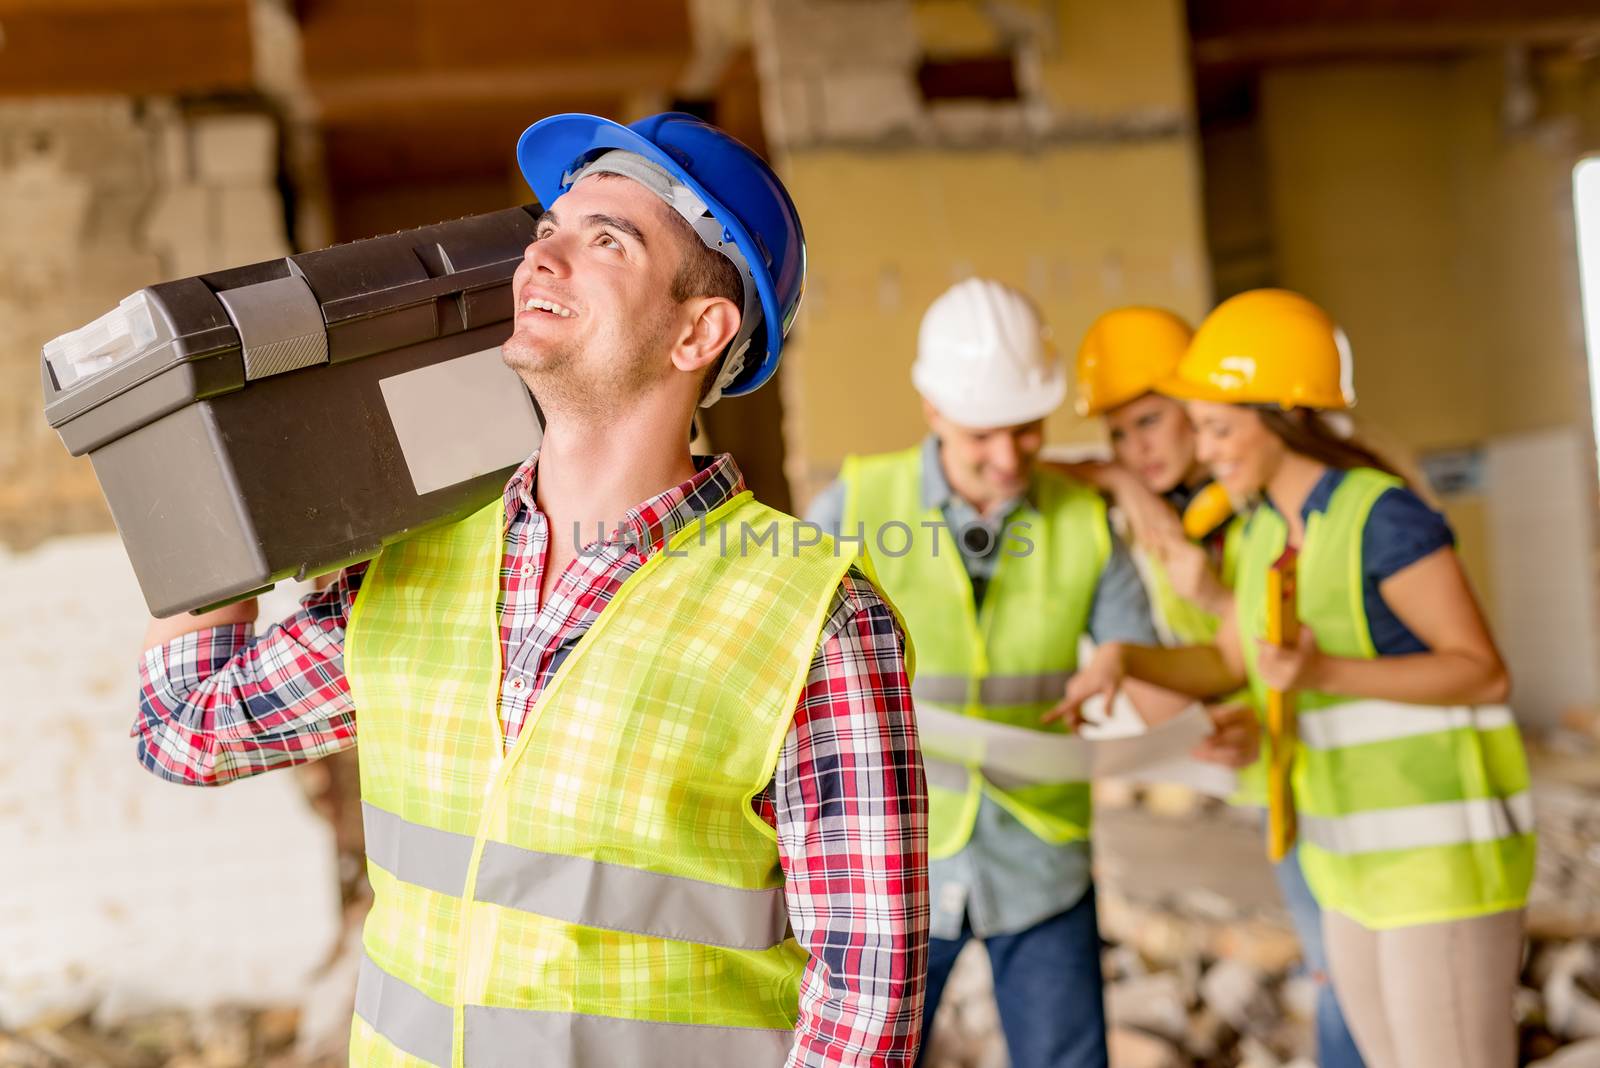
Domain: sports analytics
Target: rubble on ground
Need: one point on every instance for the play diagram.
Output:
(1197, 977)
(1199, 974)
(228, 1038)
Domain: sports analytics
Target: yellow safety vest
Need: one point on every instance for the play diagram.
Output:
(1008, 663)
(1182, 622)
(603, 893)
(1408, 814)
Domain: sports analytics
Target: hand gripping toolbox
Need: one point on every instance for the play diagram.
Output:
(290, 417)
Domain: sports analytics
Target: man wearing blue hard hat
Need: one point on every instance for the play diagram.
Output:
(647, 798)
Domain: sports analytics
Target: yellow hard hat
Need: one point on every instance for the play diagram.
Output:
(1266, 346)
(1125, 354)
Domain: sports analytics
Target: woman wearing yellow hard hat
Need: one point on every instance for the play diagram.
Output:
(1157, 478)
(1186, 545)
(1408, 780)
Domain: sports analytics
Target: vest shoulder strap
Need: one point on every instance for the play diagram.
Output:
(881, 485)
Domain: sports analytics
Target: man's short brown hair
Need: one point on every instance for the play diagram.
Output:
(705, 272)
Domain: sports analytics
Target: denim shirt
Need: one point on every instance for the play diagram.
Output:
(1007, 879)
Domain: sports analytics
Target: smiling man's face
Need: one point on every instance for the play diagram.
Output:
(595, 317)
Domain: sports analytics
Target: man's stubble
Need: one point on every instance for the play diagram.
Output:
(571, 385)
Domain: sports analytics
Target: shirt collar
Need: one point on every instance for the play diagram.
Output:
(1322, 493)
(650, 524)
(937, 491)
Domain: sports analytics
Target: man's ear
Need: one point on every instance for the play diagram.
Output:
(712, 324)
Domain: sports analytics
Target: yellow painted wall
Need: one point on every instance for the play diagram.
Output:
(1442, 241)
(1080, 223)
(1363, 217)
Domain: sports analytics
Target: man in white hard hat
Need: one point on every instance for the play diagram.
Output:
(999, 568)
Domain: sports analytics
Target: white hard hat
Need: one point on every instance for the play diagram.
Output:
(984, 357)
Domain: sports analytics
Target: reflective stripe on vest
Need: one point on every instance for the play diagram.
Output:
(596, 894)
(422, 1027)
(1366, 722)
(1487, 819)
(994, 689)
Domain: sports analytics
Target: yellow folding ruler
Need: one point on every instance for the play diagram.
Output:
(1283, 630)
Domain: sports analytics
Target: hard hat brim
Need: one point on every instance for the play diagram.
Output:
(554, 148)
(1099, 406)
(1189, 389)
(974, 414)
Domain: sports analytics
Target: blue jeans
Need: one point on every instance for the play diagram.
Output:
(1048, 986)
(1335, 1047)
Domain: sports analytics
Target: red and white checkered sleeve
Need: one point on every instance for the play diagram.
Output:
(223, 704)
(851, 811)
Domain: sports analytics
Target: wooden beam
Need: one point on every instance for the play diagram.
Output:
(370, 57)
(430, 142)
(1217, 18)
(124, 46)
(1374, 39)
(360, 38)
(9, 8)
(353, 98)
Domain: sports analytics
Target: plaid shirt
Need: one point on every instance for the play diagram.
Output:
(847, 799)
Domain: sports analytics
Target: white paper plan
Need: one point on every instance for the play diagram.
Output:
(1011, 756)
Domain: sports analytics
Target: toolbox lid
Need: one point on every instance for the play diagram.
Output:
(247, 323)
(158, 328)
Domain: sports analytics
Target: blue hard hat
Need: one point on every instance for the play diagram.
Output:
(759, 221)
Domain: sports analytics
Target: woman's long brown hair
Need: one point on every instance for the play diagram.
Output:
(1304, 431)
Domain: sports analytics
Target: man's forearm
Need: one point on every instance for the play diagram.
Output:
(170, 628)
(217, 704)
(1154, 704)
(1201, 671)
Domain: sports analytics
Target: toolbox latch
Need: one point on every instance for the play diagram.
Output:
(280, 326)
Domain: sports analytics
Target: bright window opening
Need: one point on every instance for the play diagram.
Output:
(1586, 198)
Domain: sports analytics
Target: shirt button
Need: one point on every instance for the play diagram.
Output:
(519, 684)
(526, 571)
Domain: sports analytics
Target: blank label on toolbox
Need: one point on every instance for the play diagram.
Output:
(460, 419)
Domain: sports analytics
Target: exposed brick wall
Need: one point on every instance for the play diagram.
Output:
(98, 198)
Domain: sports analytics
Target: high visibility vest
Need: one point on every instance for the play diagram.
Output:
(1182, 622)
(602, 893)
(1007, 663)
(1408, 814)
